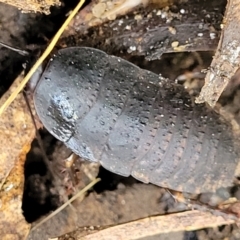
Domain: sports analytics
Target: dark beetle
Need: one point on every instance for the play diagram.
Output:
(106, 109)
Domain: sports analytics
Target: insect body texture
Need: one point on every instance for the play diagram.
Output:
(106, 109)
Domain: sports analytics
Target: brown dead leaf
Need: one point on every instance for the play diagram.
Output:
(16, 134)
(42, 6)
(12, 222)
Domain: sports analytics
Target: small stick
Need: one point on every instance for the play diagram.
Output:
(20, 51)
(150, 226)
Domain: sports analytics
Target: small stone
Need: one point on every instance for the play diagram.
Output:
(172, 30)
(138, 17)
(212, 35)
(182, 11)
(175, 44)
(99, 9)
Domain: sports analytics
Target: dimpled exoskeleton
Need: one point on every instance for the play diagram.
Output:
(133, 122)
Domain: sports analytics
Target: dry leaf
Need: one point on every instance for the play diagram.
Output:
(16, 134)
(42, 6)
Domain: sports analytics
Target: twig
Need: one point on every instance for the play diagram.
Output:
(227, 58)
(184, 221)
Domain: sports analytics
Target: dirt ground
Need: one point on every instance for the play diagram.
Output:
(115, 199)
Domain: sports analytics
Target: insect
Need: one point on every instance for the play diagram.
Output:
(109, 110)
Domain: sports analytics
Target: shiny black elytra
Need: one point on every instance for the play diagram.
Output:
(106, 109)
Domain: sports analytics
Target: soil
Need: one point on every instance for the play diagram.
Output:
(115, 199)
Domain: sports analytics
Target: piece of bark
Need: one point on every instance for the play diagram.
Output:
(227, 59)
(185, 221)
(98, 12)
(152, 31)
(26, 6)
